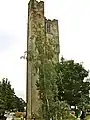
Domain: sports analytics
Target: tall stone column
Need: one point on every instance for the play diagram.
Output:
(35, 16)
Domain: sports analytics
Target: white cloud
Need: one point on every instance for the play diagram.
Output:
(12, 67)
(74, 28)
(13, 22)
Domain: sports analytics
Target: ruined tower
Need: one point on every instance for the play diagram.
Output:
(36, 16)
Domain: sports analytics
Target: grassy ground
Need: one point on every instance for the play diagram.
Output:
(15, 118)
(87, 117)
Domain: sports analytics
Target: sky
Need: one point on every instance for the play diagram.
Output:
(74, 36)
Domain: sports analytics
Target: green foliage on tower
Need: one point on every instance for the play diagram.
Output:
(52, 107)
(60, 85)
(41, 55)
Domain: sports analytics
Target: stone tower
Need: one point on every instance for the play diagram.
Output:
(36, 16)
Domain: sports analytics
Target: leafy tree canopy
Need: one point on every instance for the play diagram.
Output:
(70, 81)
(8, 100)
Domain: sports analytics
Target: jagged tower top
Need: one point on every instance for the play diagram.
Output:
(35, 3)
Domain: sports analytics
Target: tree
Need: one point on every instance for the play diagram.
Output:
(7, 94)
(52, 107)
(8, 100)
(19, 104)
(72, 88)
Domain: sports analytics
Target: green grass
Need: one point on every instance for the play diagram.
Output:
(87, 117)
(17, 118)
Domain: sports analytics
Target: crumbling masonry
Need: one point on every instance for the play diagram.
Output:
(36, 15)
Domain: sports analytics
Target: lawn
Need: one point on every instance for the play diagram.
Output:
(15, 118)
(87, 117)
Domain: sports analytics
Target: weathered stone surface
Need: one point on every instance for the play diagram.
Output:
(51, 32)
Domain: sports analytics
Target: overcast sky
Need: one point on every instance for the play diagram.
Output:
(74, 30)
